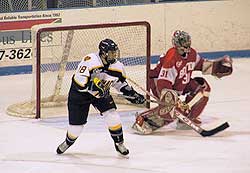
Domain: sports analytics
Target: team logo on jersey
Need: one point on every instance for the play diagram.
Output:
(178, 64)
(86, 58)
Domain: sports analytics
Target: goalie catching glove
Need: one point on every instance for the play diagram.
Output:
(219, 68)
(132, 95)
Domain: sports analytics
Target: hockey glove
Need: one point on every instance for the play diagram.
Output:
(222, 67)
(133, 96)
(219, 68)
(101, 86)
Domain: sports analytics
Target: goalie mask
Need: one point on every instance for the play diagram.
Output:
(108, 51)
(182, 42)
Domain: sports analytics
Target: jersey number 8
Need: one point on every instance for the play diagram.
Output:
(82, 69)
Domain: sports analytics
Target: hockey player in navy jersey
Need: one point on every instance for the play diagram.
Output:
(91, 83)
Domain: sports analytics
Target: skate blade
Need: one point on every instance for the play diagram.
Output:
(123, 156)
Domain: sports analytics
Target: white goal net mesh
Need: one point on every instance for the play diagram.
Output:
(59, 49)
(98, 3)
(22, 5)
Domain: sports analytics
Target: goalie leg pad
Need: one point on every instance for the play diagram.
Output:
(142, 127)
(197, 109)
(170, 98)
(148, 121)
(195, 86)
(155, 121)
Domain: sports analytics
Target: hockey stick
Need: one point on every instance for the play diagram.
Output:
(197, 128)
(186, 120)
(190, 104)
(131, 97)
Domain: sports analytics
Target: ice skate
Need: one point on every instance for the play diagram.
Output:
(121, 149)
(62, 147)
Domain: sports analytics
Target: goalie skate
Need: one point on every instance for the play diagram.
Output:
(147, 123)
(145, 129)
(140, 126)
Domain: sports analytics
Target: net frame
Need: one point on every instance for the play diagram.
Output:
(51, 28)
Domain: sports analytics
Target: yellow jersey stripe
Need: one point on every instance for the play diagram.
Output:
(116, 127)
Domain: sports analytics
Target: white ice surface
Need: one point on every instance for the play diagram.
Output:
(28, 145)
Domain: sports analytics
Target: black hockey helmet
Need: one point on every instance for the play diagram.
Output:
(108, 51)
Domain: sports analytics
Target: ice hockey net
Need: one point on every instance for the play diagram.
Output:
(57, 50)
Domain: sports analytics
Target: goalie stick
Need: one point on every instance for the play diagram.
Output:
(186, 120)
(196, 98)
(197, 128)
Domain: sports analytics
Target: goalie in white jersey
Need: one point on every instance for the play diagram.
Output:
(91, 83)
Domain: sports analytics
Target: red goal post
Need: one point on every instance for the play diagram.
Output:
(57, 50)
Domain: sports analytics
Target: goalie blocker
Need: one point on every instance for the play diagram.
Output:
(157, 117)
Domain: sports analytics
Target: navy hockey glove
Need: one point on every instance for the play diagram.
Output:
(133, 96)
